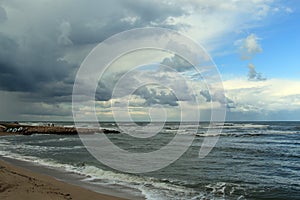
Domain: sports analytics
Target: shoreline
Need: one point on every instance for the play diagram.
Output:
(20, 183)
(67, 179)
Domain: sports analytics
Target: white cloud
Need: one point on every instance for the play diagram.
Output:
(253, 75)
(272, 95)
(249, 47)
(130, 20)
(64, 37)
(215, 23)
(288, 10)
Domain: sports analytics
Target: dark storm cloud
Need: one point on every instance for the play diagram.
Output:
(7, 52)
(95, 32)
(45, 109)
(218, 97)
(177, 63)
(206, 95)
(41, 48)
(3, 15)
(29, 68)
(35, 39)
(153, 11)
(97, 25)
(152, 97)
(230, 103)
(103, 93)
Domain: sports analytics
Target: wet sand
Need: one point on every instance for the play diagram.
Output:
(21, 184)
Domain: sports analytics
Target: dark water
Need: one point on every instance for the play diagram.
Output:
(252, 160)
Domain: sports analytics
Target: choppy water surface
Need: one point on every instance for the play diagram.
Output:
(252, 160)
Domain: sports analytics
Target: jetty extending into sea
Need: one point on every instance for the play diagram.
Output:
(16, 128)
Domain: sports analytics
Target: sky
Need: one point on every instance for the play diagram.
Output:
(254, 44)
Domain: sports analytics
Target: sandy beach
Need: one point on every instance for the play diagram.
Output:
(20, 184)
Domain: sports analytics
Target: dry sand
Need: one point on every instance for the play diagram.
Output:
(20, 184)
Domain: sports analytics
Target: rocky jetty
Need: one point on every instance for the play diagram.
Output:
(15, 128)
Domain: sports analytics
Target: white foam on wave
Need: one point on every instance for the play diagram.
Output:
(68, 139)
(255, 126)
(4, 142)
(31, 159)
(237, 126)
(151, 188)
(29, 147)
(222, 190)
(249, 133)
(33, 123)
(43, 141)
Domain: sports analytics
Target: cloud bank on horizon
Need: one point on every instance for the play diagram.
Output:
(43, 43)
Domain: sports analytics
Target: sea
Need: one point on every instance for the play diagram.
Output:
(251, 160)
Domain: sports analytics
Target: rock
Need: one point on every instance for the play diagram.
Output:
(107, 131)
(2, 128)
